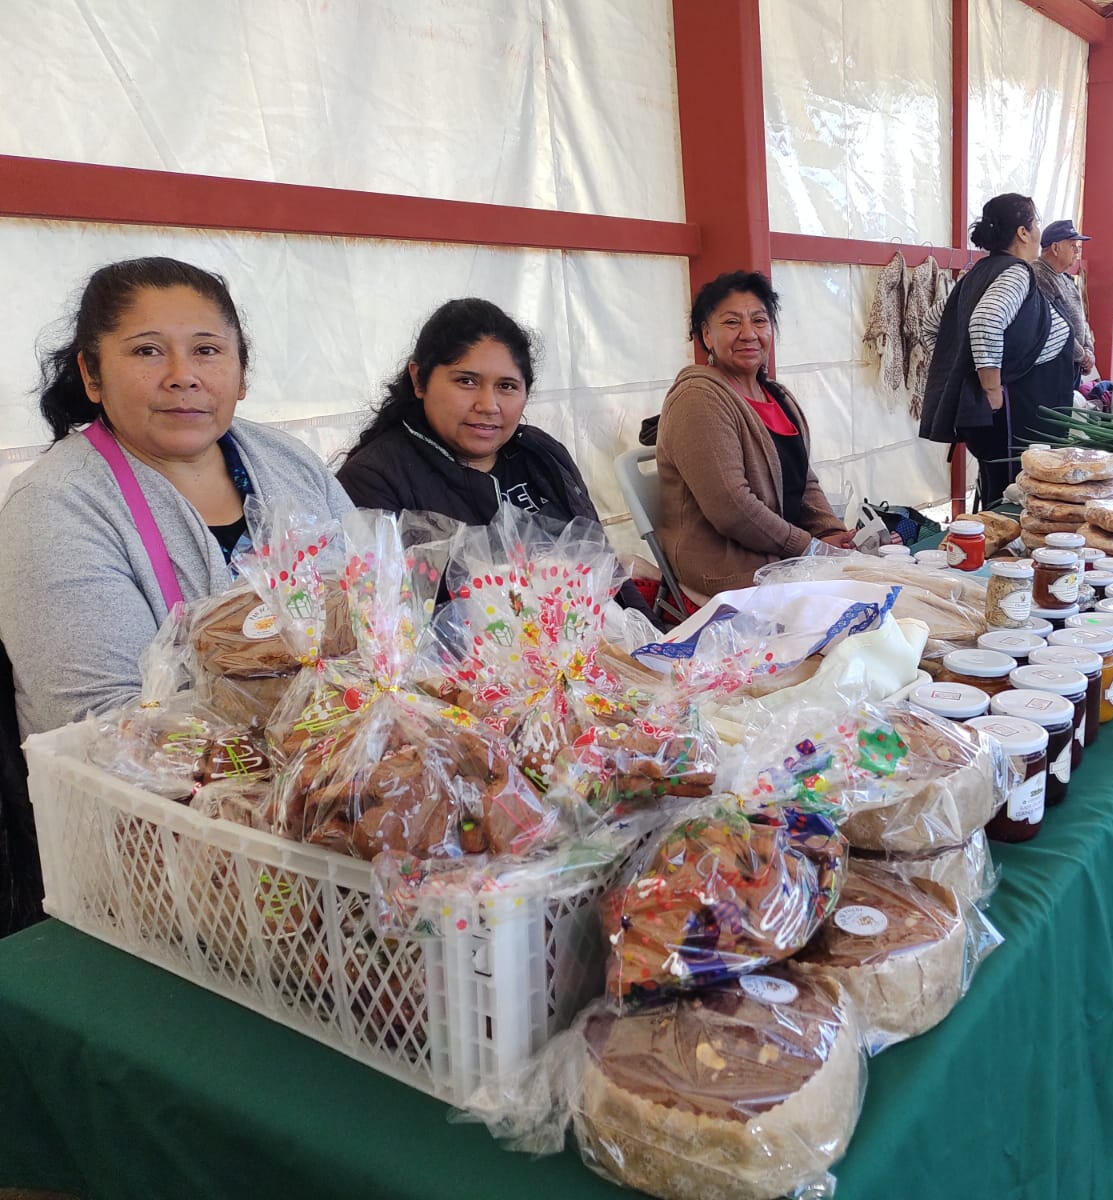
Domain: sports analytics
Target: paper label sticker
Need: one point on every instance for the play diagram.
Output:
(767, 990)
(1017, 606)
(259, 624)
(956, 556)
(861, 920)
(1026, 799)
(1060, 768)
(1065, 588)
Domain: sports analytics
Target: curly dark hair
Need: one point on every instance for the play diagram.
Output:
(712, 294)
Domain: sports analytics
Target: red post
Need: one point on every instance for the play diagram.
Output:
(722, 134)
(1097, 201)
(960, 157)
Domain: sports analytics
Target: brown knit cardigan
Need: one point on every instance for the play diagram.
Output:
(720, 481)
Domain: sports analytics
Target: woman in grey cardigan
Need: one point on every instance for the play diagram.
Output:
(155, 368)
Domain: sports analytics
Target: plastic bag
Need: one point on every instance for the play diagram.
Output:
(719, 895)
(966, 869)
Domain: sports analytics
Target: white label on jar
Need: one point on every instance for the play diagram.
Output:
(259, 624)
(1060, 768)
(861, 920)
(768, 990)
(1026, 799)
(1065, 588)
(1109, 693)
(955, 555)
(1017, 606)
(1080, 732)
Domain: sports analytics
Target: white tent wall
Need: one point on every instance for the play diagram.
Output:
(537, 104)
(858, 99)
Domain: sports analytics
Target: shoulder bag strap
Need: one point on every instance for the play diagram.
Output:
(109, 449)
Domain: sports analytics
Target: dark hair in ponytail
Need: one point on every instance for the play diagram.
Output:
(1001, 218)
(444, 339)
(63, 401)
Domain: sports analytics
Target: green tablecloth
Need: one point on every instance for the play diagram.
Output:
(120, 1080)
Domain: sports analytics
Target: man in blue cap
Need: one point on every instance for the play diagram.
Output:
(1060, 249)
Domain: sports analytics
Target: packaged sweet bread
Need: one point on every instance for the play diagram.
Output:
(719, 895)
(1066, 464)
(750, 1091)
(899, 949)
(967, 869)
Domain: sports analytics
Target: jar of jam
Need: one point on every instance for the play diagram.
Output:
(1065, 541)
(955, 701)
(1008, 594)
(1090, 620)
(1055, 580)
(1017, 643)
(1104, 564)
(965, 544)
(1090, 663)
(987, 670)
(1040, 625)
(1101, 642)
(936, 559)
(1055, 617)
(1025, 743)
(1103, 606)
(1056, 715)
(1099, 579)
(1060, 681)
(1088, 556)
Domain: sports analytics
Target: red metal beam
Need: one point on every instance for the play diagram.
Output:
(722, 134)
(960, 189)
(46, 188)
(1096, 207)
(1075, 15)
(799, 247)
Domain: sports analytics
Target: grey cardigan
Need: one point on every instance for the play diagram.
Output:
(79, 601)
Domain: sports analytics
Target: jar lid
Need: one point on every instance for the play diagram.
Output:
(931, 558)
(1041, 707)
(1099, 578)
(1053, 556)
(1016, 735)
(987, 664)
(1063, 681)
(1097, 639)
(954, 700)
(966, 528)
(1105, 605)
(1090, 620)
(1010, 641)
(1019, 568)
(1090, 554)
(894, 551)
(1078, 657)
(1056, 614)
(1104, 564)
(1065, 541)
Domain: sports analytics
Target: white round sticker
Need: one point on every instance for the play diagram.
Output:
(259, 624)
(861, 920)
(768, 990)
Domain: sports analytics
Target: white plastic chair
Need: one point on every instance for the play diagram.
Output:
(643, 498)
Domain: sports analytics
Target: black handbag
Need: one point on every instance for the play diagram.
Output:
(907, 522)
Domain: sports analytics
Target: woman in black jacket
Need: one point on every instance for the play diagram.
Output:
(1001, 350)
(448, 437)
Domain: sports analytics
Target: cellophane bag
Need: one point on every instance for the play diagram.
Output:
(749, 1090)
(718, 895)
(967, 869)
(521, 646)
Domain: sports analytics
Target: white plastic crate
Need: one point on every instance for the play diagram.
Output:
(476, 985)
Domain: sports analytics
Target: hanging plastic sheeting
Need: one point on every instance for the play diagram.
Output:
(857, 441)
(857, 118)
(535, 103)
(326, 330)
(1028, 80)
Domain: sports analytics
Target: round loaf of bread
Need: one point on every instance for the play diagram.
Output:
(898, 948)
(944, 791)
(1033, 524)
(739, 1094)
(1072, 493)
(1054, 510)
(1100, 513)
(1095, 536)
(967, 869)
(1067, 464)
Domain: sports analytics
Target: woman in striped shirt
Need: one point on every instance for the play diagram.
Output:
(1001, 350)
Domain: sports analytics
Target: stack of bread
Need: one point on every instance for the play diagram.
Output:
(1066, 489)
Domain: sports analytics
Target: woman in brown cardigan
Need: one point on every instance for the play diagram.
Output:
(737, 490)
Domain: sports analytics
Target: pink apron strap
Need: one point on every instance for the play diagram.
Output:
(107, 446)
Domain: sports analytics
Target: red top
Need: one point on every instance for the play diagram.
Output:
(773, 417)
